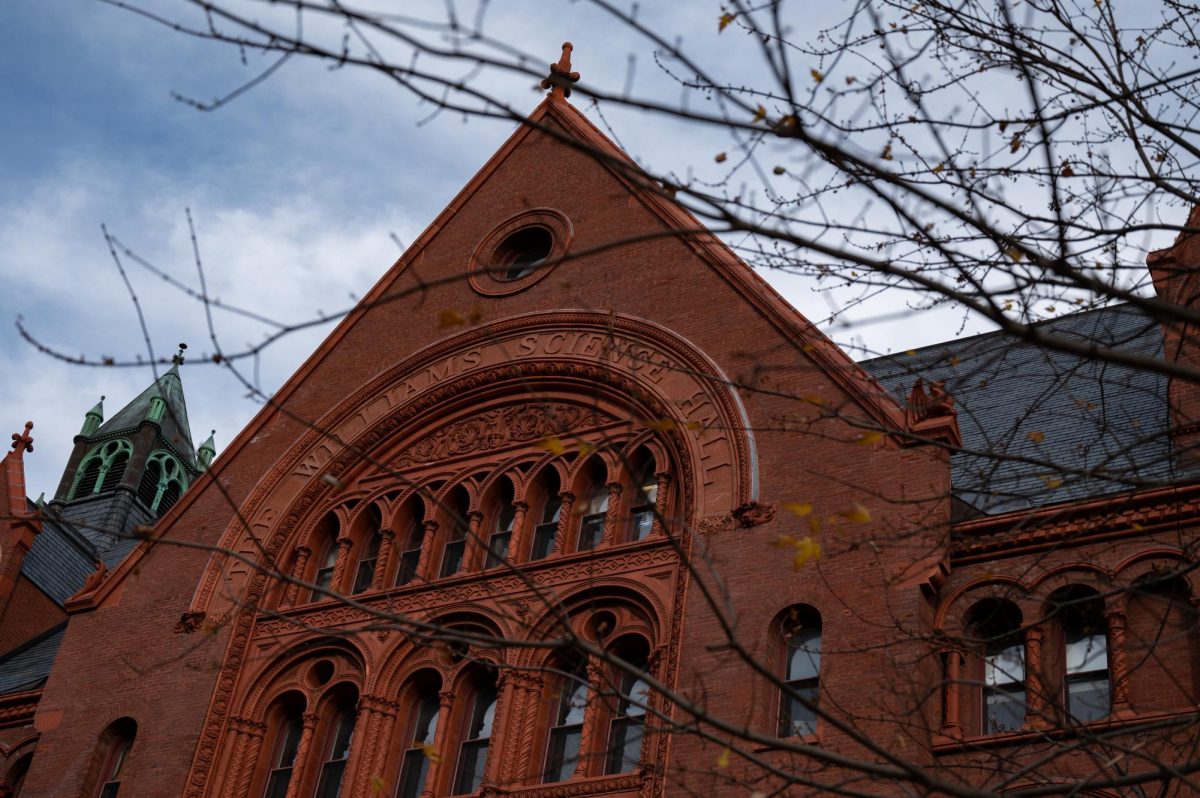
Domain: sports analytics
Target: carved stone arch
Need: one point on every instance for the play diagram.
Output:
(538, 467)
(647, 439)
(398, 499)
(402, 663)
(588, 598)
(952, 614)
(286, 671)
(1144, 563)
(503, 471)
(1081, 574)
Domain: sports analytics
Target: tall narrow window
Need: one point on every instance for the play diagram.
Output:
(472, 755)
(1085, 655)
(415, 767)
(337, 752)
(283, 754)
(365, 574)
(551, 508)
(120, 738)
(566, 731)
(645, 495)
(594, 510)
(456, 542)
(997, 624)
(802, 672)
(410, 535)
(629, 718)
(502, 528)
(324, 576)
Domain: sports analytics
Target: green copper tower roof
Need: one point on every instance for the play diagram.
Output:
(173, 421)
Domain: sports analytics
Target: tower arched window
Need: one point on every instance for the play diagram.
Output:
(287, 727)
(566, 729)
(801, 672)
(644, 499)
(1084, 634)
(327, 538)
(116, 744)
(414, 768)
(627, 723)
(336, 754)
(458, 504)
(1000, 666)
(163, 482)
(370, 523)
(549, 508)
(477, 736)
(595, 506)
(504, 515)
(102, 469)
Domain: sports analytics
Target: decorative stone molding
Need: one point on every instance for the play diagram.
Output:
(752, 514)
(712, 524)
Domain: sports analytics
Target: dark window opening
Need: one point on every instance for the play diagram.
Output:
(522, 252)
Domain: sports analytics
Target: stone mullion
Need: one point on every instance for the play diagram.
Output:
(475, 546)
(293, 588)
(375, 714)
(344, 545)
(425, 563)
(303, 751)
(441, 738)
(613, 516)
(562, 534)
(493, 770)
(591, 736)
(1037, 708)
(951, 699)
(660, 502)
(386, 541)
(252, 738)
(1118, 667)
(517, 544)
(527, 688)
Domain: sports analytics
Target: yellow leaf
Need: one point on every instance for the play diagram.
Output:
(694, 426)
(1015, 144)
(552, 445)
(857, 514)
(798, 509)
(1052, 482)
(813, 399)
(1015, 253)
(887, 153)
(660, 424)
(869, 438)
(723, 759)
(1036, 436)
(760, 114)
(817, 75)
(724, 21)
(938, 169)
(430, 754)
(806, 549)
(783, 542)
(586, 448)
(450, 318)
(1136, 527)
(720, 157)
(376, 785)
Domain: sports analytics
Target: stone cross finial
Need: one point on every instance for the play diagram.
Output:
(561, 77)
(177, 358)
(23, 442)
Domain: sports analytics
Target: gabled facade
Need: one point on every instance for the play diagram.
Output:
(521, 523)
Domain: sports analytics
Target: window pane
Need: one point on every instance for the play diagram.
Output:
(331, 779)
(564, 752)
(543, 540)
(1088, 699)
(591, 532)
(427, 720)
(799, 720)
(498, 549)
(1005, 710)
(1087, 653)
(470, 767)
(625, 745)
(412, 775)
(289, 742)
(572, 704)
(110, 790)
(408, 567)
(366, 573)
(643, 522)
(453, 558)
(804, 657)
(482, 717)
(277, 785)
(1004, 666)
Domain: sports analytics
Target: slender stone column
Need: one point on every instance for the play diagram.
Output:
(498, 745)
(1118, 667)
(527, 691)
(245, 757)
(293, 589)
(1037, 708)
(340, 565)
(375, 716)
(952, 708)
(475, 545)
(562, 535)
(303, 753)
(591, 759)
(660, 502)
(386, 539)
(613, 518)
(518, 543)
(426, 565)
(435, 775)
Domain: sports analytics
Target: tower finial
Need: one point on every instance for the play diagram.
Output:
(561, 77)
(23, 442)
(178, 357)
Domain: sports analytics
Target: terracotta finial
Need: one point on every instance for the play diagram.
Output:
(561, 77)
(23, 442)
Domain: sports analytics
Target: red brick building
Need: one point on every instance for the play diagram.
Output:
(541, 518)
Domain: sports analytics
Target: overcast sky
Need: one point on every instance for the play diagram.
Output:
(296, 189)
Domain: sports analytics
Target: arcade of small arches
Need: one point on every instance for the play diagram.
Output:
(535, 507)
(163, 481)
(1079, 647)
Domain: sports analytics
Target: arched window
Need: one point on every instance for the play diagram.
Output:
(423, 726)
(16, 775)
(287, 726)
(1000, 670)
(456, 538)
(326, 537)
(549, 508)
(410, 535)
(801, 672)
(566, 729)
(370, 524)
(644, 498)
(163, 482)
(502, 527)
(102, 469)
(1085, 683)
(595, 506)
(116, 744)
(337, 749)
(472, 755)
(627, 723)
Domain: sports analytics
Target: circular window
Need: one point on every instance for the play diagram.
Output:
(320, 673)
(520, 252)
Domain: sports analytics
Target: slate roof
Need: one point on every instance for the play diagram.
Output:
(174, 422)
(28, 666)
(59, 561)
(1100, 428)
